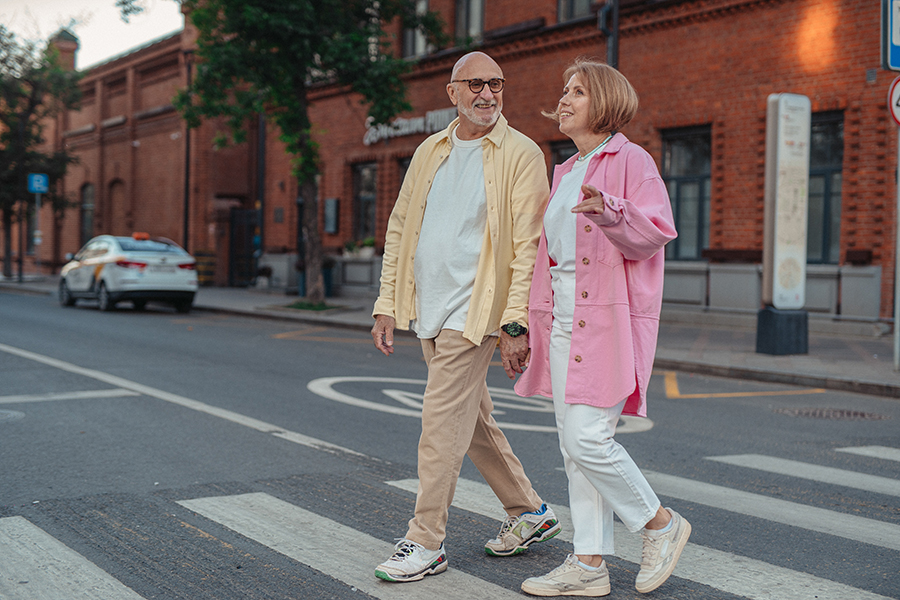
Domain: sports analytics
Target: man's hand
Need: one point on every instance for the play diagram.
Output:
(514, 353)
(593, 201)
(383, 334)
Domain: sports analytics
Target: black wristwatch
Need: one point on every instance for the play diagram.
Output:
(514, 329)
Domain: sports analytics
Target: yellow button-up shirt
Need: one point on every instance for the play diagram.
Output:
(516, 187)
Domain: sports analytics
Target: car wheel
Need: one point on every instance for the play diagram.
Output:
(140, 304)
(65, 296)
(183, 306)
(103, 298)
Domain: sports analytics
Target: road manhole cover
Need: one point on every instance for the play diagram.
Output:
(841, 414)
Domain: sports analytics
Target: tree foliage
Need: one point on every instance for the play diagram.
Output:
(263, 57)
(34, 87)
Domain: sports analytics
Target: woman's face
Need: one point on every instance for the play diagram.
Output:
(574, 108)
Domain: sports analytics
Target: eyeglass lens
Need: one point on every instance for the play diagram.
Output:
(476, 85)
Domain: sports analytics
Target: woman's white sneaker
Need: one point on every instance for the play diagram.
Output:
(411, 562)
(660, 553)
(570, 579)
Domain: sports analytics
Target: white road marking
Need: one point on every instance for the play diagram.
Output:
(91, 395)
(343, 553)
(851, 479)
(873, 451)
(324, 386)
(731, 573)
(37, 566)
(146, 390)
(851, 527)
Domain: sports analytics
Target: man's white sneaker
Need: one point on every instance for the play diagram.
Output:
(412, 562)
(570, 579)
(661, 552)
(520, 531)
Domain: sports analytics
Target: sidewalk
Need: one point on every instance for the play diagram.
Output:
(849, 356)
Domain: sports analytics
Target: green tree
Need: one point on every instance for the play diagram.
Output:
(34, 87)
(263, 57)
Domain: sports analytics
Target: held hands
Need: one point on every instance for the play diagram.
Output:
(514, 353)
(383, 334)
(593, 201)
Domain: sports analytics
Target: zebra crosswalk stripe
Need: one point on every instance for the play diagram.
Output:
(739, 575)
(339, 551)
(37, 565)
(851, 527)
(793, 468)
(883, 452)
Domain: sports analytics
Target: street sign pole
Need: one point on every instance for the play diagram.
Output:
(38, 183)
(890, 60)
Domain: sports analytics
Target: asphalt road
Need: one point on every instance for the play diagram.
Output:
(157, 455)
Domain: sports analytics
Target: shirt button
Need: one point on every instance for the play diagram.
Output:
(581, 323)
(584, 294)
(587, 228)
(586, 260)
(577, 358)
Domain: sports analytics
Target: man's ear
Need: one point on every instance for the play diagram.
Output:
(451, 91)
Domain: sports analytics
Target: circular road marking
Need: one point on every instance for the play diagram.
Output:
(408, 403)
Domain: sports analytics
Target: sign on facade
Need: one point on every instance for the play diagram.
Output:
(433, 121)
(787, 189)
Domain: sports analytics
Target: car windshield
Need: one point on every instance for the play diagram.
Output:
(133, 245)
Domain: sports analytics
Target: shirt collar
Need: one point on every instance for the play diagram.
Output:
(495, 136)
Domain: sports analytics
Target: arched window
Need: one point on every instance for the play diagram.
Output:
(87, 212)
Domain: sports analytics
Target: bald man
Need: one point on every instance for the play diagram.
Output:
(458, 256)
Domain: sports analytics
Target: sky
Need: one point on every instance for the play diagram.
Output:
(99, 27)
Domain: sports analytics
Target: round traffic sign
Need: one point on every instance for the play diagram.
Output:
(894, 100)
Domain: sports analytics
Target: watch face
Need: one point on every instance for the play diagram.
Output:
(513, 329)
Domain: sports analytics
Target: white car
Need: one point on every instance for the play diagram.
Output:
(137, 268)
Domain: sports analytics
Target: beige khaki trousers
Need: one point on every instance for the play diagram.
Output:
(456, 420)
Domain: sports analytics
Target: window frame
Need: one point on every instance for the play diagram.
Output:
(831, 223)
(362, 203)
(674, 185)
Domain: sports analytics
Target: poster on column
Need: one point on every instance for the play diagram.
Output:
(786, 195)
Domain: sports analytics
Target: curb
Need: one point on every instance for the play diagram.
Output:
(871, 388)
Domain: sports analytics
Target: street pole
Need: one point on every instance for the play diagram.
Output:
(38, 238)
(897, 264)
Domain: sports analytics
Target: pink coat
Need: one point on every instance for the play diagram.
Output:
(618, 285)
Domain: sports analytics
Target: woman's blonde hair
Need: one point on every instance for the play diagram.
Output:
(613, 100)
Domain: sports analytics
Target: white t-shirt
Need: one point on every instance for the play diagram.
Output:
(450, 240)
(559, 226)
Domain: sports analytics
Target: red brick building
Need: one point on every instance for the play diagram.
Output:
(703, 70)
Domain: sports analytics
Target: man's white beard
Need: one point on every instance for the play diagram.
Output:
(469, 113)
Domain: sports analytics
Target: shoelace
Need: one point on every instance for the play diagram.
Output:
(651, 550)
(508, 523)
(403, 551)
(567, 564)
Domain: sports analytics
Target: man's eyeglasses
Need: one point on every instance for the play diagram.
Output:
(476, 85)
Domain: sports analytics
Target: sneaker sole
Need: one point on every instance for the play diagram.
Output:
(601, 590)
(384, 575)
(664, 575)
(550, 533)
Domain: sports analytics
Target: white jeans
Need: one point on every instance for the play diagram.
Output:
(602, 476)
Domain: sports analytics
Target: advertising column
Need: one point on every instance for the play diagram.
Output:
(782, 325)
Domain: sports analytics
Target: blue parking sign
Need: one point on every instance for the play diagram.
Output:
(38, 183)
(890, 34)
